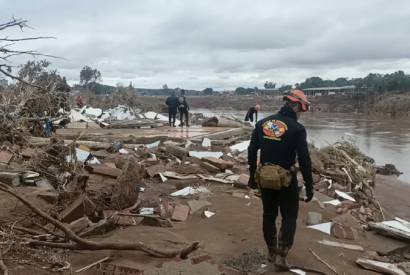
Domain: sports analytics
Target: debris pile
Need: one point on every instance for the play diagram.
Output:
(346, 174)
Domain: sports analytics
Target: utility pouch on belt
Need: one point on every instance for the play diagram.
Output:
(272, 176)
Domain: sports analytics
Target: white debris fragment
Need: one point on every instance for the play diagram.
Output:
(298, 271)
(206, 142)
(83, 155)
(123, 151)
(333, 202)
(323, 227)
(240, 147)
(147, 211)
(205, 154)
(163, 178)
(189, 190)
(344, 195)
(153, 145)
(208, 213)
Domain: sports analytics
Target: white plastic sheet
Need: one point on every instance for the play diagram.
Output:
(190, 191)
(205, 154)
(323, 227)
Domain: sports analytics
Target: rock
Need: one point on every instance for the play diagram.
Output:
(313, 218)
(81, 207)
(220, 163)
(104, 170)
(196, 205)
(343, 232)
(5, 157)
(243, 180)
(181, 213)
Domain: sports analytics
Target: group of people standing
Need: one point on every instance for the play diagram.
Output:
(177, 104)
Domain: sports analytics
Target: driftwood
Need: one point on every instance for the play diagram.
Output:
(390, 231)
(78, 243)
(384, 268)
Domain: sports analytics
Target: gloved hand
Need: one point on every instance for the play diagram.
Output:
(309, 193)
(252, 183)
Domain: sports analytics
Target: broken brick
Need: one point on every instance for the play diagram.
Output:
(180, 213)
(343, 232)
(5, 157)
(201, 259)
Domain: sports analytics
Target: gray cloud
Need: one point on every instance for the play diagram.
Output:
(219, 44)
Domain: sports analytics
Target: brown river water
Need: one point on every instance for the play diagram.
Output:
(386, 140)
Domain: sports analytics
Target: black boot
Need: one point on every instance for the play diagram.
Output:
(281, 264)
(273, 252)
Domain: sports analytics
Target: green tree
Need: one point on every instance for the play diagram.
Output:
(89, 75)
(208, 91)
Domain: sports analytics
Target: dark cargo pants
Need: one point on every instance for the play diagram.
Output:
(285, 200)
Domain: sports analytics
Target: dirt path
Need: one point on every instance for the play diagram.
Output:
(235, 229)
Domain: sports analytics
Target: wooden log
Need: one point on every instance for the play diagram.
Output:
(94, 145)
(384, 268)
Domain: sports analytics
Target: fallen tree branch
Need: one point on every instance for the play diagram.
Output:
(323, 261)
(79, 243)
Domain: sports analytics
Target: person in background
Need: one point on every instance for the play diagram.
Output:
(251, 112)
(172, 103)
(183, 109)
(281, 138)
(79, 101)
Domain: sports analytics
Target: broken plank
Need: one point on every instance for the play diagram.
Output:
(342, 245)
(384, 268)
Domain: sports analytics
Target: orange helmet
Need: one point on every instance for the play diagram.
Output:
(299, 97)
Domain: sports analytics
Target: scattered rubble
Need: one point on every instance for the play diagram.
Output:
(95, 187)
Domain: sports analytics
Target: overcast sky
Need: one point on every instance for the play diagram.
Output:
(219, 44)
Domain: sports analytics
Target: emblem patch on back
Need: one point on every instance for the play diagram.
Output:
(274, 129)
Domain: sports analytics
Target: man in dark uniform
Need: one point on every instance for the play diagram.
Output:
(281, 138)
(172, 103)
(251, 112)
(183, 109)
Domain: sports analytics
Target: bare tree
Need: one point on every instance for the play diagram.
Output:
(8, 47)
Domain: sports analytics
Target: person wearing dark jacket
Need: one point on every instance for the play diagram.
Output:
(281, 138)
(172, 103)
(183, 109)
(251, 112)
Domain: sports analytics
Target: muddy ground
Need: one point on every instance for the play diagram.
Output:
(236, 229)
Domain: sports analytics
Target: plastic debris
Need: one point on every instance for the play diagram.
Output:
(323, 227)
